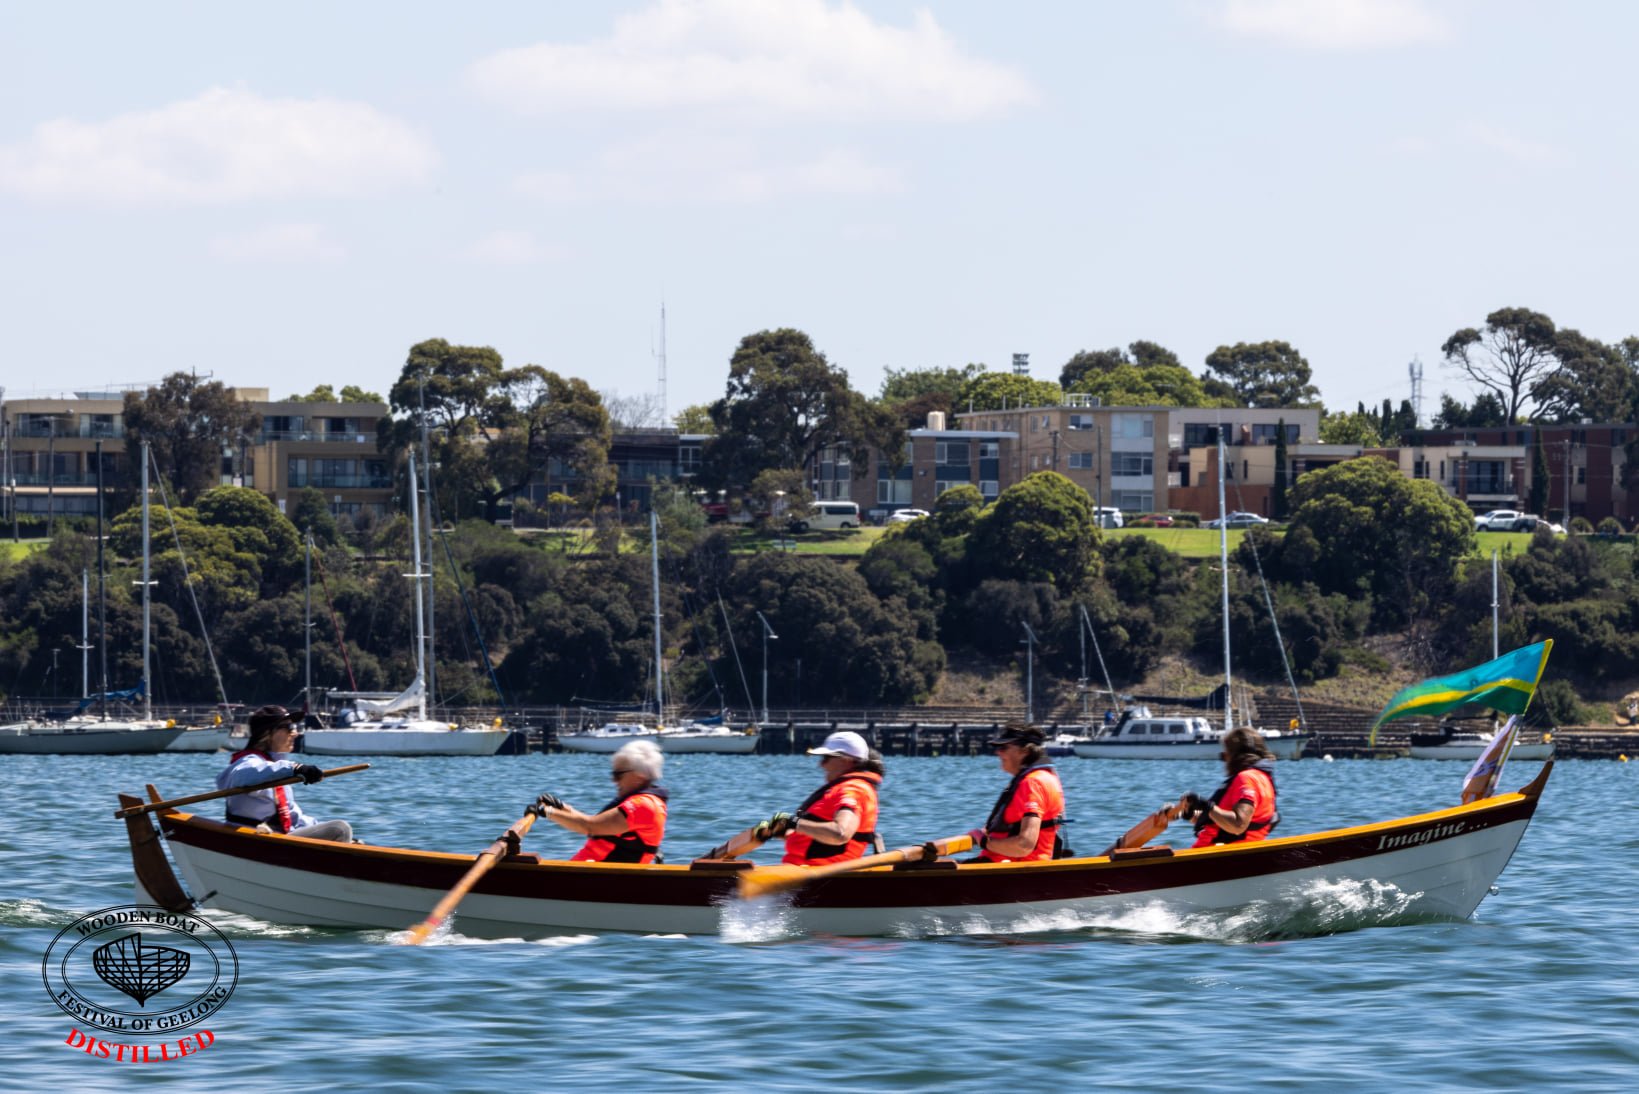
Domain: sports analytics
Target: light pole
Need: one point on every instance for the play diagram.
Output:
(1029, 673)
(768, 632)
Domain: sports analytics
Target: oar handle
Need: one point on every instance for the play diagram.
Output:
(486, 860)
(191, 799)
(1147, 829)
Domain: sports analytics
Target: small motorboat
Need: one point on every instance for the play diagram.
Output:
(1140, 735)
(687, 737)
(1438, 865)
(1461, 745)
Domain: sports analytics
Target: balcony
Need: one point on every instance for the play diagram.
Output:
(61, 478)
(317, 437)
(341, 482)
(41, 429)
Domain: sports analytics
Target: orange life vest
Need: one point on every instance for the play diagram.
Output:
(1261, 779)
(823, 805)
(1051, 791)
(639, 843)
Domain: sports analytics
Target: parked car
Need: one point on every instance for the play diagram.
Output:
(1503, 520)
(1236, 520)
(1107, 517)
(1152, 520)
(905, 516)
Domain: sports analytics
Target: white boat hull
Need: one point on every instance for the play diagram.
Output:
(202, 739)
(407, 739)
(672, 741)
(1437, 865)
(1283, 748)
(88, 739)
(1470, 752)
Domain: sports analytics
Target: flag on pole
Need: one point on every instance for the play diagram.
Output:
(1505, 684)
(1481, 780)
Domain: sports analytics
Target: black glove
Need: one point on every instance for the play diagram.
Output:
(775, 827)
(309, 773)
(930, 853)
(549, 801)
(1194, 803)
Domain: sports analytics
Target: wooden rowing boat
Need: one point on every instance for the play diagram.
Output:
(1439, 864)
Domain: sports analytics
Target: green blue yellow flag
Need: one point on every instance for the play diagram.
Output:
(1505, 684)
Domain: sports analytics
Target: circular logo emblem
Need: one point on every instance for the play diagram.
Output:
(138, 969)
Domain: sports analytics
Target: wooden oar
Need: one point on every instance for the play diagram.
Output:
(763, 880)
(742, 844)
(1145, 830)
(191, 799)
(487, 858)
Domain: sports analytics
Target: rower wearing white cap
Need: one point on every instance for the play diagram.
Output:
(837, 822)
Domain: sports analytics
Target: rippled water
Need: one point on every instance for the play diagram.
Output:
(1541, 988)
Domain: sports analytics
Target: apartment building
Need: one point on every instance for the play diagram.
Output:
(48, 453)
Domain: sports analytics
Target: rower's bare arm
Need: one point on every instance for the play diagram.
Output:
(1020, 845)
(840, 829)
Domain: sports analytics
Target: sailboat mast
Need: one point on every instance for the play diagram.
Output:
(307, 626)
(1223, 559)
(85, 633)
(1494, 653)
(147, 686)
(659, 666)
(427, 480)
(416, 575)
(102, 600)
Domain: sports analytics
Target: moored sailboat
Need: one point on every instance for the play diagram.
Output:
(381, 725)
(78, 733)
(693, 736)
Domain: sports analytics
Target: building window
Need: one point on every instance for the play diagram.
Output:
(1081, 421)
(950, 452)
(1199, 435)
(1132, 463)
(989, 488)
(990, 450)
(941, 487)
(1582, 476)
(1082, 460)
(1133, 426)
(1133, 501)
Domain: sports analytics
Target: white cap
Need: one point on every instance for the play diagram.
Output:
(844, 743)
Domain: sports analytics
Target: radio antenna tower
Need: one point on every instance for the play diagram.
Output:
(1415, 370)
(661, 358)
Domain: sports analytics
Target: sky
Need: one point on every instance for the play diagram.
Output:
(287, 195)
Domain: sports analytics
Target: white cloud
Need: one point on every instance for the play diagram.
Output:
(757, 60)
(226, 145)
(1336, 24)
(1511, 145)
(509, 247)
(677, 167)
(278, 243)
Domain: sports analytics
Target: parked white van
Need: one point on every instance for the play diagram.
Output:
(1106, 517)
(833, 514)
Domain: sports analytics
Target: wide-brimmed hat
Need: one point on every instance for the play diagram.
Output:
(1018, 735)
(267, 719)
(843, 743)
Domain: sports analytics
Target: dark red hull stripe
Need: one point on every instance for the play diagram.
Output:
(662, 886)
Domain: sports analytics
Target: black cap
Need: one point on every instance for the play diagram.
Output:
(1019, 735)
(267, 719)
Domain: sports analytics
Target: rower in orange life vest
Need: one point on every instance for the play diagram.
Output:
(272, 736)
(1243, 808)
(1024, 824)
(628, 829)
(837, 822)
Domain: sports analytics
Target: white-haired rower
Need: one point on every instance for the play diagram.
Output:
(628, 829)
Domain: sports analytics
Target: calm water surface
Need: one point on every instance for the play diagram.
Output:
(1540, 989)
